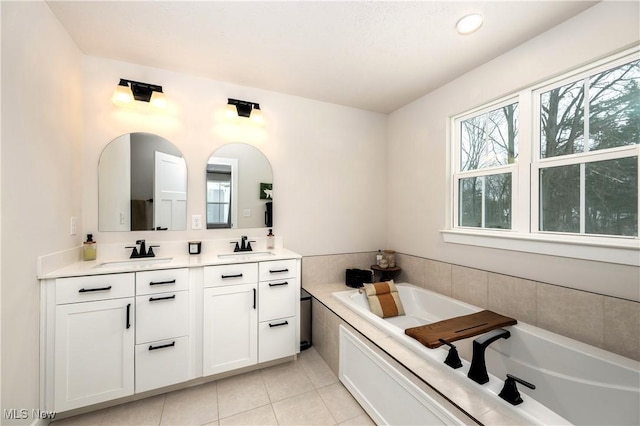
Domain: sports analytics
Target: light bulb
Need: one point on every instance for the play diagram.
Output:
(158, 100)
(230, 111)
(122, 95)
(256, 115)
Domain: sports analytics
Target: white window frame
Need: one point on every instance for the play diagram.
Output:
(524, 235)
(486, 171)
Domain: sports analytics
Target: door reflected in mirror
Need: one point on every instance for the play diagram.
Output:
(142, 185)
(239, 188)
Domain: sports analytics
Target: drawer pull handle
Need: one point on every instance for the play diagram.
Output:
(162, 282)
(168, 345)
(275, 271)
(278, 284)
(86, 290)
(254, 298)
(155, 299)
(279, 324)
(129, 316)
(232, 276)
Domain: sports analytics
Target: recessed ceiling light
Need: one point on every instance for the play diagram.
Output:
(469, 24)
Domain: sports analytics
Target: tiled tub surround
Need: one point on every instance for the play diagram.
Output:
(606, 322)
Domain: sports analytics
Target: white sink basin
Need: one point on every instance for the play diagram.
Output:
(244, 255)
(135, 262)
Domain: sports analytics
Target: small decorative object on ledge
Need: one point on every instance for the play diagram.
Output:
(195, 247)
(390, 255)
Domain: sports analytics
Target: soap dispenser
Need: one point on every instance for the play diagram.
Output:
(89, 249)
(271, 240)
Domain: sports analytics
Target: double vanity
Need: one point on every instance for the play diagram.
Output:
(112, 329)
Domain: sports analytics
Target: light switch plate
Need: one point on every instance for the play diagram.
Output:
(73, 229)
(246, 212)
(196, 221)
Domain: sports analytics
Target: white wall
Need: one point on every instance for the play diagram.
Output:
(328, 161)
(417, 150)
(41, 153)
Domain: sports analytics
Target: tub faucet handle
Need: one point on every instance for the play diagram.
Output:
(452, 359)
(510, 392)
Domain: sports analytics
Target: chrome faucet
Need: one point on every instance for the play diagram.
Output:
(244, 246)
(478, 369)
(136, 254)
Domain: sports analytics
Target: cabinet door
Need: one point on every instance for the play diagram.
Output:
(230, 330)
(94, 351)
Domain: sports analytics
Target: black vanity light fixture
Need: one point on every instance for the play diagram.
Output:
(128, 90)
(236, 107)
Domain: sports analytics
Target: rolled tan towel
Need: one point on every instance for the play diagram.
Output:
(384, 299)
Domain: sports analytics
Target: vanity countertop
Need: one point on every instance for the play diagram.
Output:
(113, 265)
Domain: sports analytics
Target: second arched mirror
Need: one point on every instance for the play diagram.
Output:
(239, 188)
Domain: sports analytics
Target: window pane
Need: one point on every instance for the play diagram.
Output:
(489, 139)
(496, 194)
(611, 197)
(560, 199)
(562, 120)
(614, 107)
(497, 201)
(470, 202)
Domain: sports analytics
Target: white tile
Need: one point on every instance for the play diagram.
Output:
(305, 409)
(285, 380)
(192, 406)
(340, 403)
(241, 393)
(258, 416)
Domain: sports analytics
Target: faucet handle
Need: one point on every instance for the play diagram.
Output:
(453, 359)
(248, 248)
(237, 247)
(150, 252)
(134, 253)
(510, 392)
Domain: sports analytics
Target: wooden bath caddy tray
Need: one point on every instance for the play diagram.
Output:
(457, 328)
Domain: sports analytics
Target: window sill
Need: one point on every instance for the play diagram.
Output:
(624, 251)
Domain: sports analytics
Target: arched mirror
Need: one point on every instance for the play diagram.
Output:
(239, 185)
(142, 185)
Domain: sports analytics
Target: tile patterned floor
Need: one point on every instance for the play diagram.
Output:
(301, 392)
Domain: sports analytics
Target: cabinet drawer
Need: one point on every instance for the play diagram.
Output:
(162, 316)
(277, 299)
(161, 281)
(241, 273)
(162, 363)
(277, 269)
(277, 339)
(95, 287)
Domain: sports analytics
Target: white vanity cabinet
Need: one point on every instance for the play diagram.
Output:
(162, 328)
(230, 317)
(279, 293)
(93, 358)
(112, 333)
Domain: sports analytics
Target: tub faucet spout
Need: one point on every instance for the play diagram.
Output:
(478, 369)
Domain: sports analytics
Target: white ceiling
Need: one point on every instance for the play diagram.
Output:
(375, 56)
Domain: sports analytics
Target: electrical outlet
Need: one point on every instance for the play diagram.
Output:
(246, 212)
(73, 229)
(196, 221)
